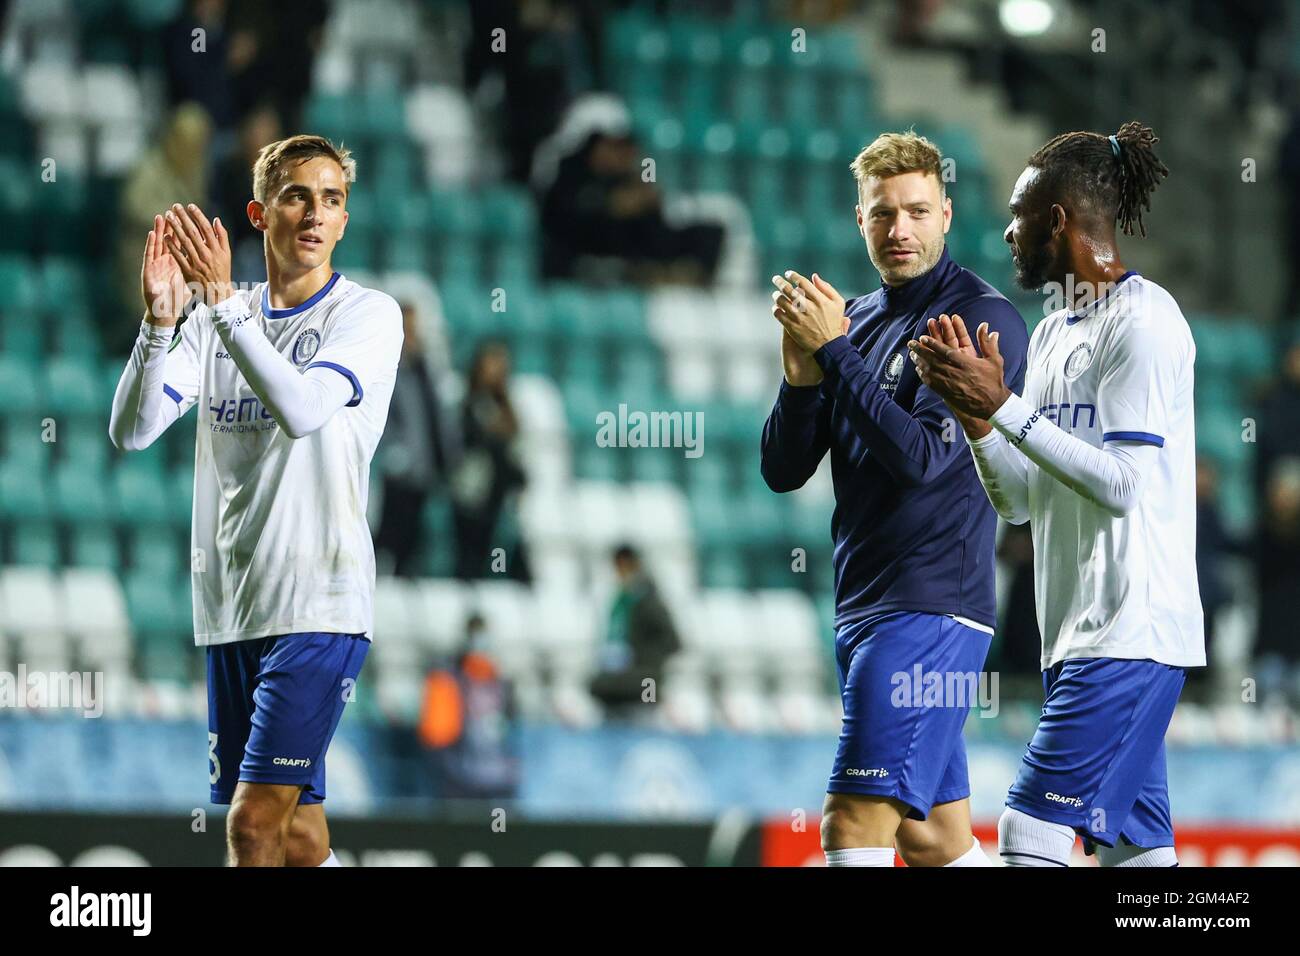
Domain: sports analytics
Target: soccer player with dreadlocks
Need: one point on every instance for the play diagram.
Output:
(1098, 455)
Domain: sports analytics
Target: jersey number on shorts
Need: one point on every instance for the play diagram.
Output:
(215, 775)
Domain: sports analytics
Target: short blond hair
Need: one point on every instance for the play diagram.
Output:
(276, 159)
(892, 154)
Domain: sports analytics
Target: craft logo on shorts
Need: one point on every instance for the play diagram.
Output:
(304, 350)
(1068, 801)
(1078, 360)
(893, 371)
(874, 772)
(291, 762)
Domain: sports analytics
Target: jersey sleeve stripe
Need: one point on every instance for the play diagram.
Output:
(1146, 437)
(358, 394)
(174, 395)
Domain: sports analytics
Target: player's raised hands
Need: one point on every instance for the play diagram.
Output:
(202, 250)
(948, 363)
(161, 282)
(810, 310)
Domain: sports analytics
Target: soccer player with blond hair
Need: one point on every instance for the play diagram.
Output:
(914, 534)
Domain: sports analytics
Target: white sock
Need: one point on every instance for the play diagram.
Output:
(330, 860)
(1027, 841)
(972, 857)
(861, 856)
(1136, 856)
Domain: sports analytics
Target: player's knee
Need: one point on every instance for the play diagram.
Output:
(252, 830)
(925, 848)
(1028, 841)
(848, 824)
(307, 845)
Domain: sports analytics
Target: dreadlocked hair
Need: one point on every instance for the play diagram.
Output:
(1084, 166)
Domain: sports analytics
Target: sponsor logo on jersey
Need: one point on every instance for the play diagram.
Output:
(1069, 417)
(1024, 429)
(1068, 801)
(304, 349)
(1078, 360)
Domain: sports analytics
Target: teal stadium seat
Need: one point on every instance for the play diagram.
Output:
(95, 546)
(64, 286)
(23, 492)
(156, 554)
(20, 288)
(71, 388)
(508, 213)
(36, 544)
(62, 216)
(137, 482)
(81, 495)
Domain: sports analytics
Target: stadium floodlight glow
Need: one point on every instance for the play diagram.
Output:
(1026, 18)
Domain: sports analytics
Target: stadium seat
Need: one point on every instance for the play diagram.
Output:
(35, 544)
(81, 494)
(95, 611)
(139, 488)
(95, 547)
(72, 389)
(23, 493)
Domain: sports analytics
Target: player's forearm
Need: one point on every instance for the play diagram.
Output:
(793, 444)
(299, 403)
(1004, 473)
(911, 451)
(141, 408)
(1110, 477)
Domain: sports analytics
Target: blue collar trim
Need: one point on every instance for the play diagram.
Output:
(1071, 319)
(271, 313)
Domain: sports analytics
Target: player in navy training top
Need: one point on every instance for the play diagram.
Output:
(913, 530)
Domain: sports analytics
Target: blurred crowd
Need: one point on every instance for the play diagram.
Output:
(603, 219)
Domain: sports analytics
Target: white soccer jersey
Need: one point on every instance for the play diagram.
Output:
(1108, 586)
(280, 538)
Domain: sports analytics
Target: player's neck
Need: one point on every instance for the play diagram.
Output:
(289, 289)
(1096, 269)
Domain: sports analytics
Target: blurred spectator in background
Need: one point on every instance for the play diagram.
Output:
(466, 721)
(173, 171)
(1289, 182)
(1019, 644)
(1276, 435)
(1213, 546)
(551, 53)
(196, 61)
(488, 473)
(601, 221)
(1277, 638)
(413, 455)
(639, 640)
(233, 189)
(912, 20)
(273, 49)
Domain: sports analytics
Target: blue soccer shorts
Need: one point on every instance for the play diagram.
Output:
(908, 681)
(273, 706)
(1097, 760)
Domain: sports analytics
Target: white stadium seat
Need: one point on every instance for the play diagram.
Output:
(94, 610)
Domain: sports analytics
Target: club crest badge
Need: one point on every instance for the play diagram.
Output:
(1078, 360)
(304, 350)
(893, 370)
